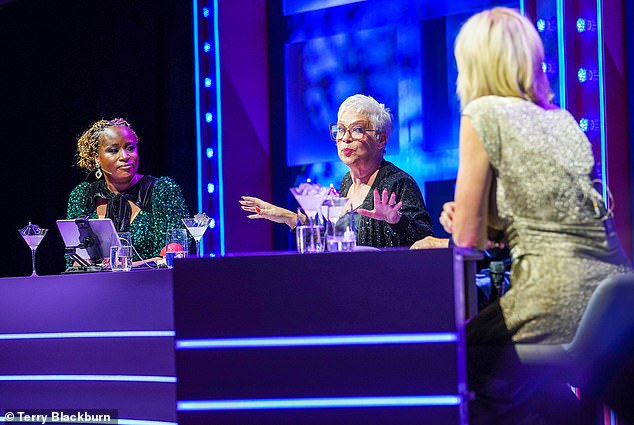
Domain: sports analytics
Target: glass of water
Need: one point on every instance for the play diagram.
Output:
(175, 245)
(341, 235)
(309, 234)
(121, 252)
(121, 258)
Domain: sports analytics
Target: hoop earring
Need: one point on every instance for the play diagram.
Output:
(98, 173)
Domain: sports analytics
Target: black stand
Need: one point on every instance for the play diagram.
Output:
(89, 241)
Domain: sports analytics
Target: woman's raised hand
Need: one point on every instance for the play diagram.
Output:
(385, 207)
(263, 209)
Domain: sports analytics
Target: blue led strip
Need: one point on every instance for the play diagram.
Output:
(312, 341)
(561, 54)
(318, 403)
(523, 7)
(100, 334)
(604, 147)
(199, 173)
(104, 378)
(221, 204)
(121, 421)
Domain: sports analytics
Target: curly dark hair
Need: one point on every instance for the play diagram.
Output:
(88, 143)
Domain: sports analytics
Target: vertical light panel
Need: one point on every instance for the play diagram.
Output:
(199, 147)
(210, 187)
(221, 209)
(604, 153)
(561, 54)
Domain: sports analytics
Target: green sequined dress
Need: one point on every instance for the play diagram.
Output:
(562, 241)
(162, 207)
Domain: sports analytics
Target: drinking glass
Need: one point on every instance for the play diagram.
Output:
(340, 229)
(309, 240)
(175, 245)
(196, 227)
(121, 252)
(309, 196)
(121, 258)
(33, 235)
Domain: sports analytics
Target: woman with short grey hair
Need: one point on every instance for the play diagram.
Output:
(388, 199)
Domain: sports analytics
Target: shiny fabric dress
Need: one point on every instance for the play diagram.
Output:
(562, 241)
(161, 202)
(414, 224)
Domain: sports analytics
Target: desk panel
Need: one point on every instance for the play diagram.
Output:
(354, 338)
(96, 340)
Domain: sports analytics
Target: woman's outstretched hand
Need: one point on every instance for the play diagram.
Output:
(263, 209)
(385, 207)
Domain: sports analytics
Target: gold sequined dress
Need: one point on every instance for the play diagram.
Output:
(561, 239)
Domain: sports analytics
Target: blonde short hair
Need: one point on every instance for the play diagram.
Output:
(499, 52)
(378, 115)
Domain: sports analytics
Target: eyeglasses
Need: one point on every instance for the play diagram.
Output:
(357, 131)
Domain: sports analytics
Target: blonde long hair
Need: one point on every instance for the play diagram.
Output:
(499, 52)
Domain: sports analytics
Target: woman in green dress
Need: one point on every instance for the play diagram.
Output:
(143, 205)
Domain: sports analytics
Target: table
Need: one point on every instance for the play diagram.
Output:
(350, 338)
(89, 341)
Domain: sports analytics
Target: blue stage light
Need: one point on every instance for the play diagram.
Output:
(585, 75)
(211, 188)
(205, 12)
(212, 225)
(210, 153)
(585, 25)
(104, 378)
(319, 403)
(206, 47)
(541, 25)
(588, 124)
(549, 68)
(88, 334)
(209, 117)
(583, 124)
(316, 340)
(207, 82)
(545, 25)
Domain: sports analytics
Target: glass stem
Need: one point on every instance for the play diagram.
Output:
(197, 247)
(33, 261)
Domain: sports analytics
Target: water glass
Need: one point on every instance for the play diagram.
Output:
(121, 252)
(309, 234)
(175, 245)
(121, 258)
(341, 235)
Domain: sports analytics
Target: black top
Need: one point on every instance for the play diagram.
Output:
(119, 209)
(415, 222)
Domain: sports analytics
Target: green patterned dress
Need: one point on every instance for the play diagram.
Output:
(162, 207)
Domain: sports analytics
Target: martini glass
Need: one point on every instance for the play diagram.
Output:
(310, 197)
(33, 235)
(196, 227)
